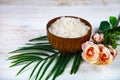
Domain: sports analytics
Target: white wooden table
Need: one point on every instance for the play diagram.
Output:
(21, 20)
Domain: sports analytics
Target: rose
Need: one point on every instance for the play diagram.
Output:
(98, 38)
(90, 52)
(96, 54)
(105, 55)
(112, 51)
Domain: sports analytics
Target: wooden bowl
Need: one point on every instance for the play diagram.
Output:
(68, 45)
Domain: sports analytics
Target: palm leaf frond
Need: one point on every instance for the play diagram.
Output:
(28, 54)
(62, 65)
(42, 43)
(76, 63)
(47, 66)
(36, 47)
(33, 71)
(32, 54)
(39, 70)
(39, 38)
(26, 59)
(24, 68)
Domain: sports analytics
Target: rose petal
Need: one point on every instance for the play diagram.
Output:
(86, 44)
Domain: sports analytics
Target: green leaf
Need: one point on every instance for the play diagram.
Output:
(40, 68)
(47, 66)
(114, 43)
(116, 29)
(24, 68)
(28, 54)
(39, 38)
(56, 66)
(19, 63)
(76, 63)
(104, 26)
(57, 70)
(66, 61)
(25, 59)
(34, 69)
(113, 20)
(36, 47)
(29, 57)
(115, 36)
(42, 43)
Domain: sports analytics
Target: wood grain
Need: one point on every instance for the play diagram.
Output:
(21, 20)
(60, 2)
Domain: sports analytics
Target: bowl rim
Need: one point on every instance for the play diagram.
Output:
(56, 18)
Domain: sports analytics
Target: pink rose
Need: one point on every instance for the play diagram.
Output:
(90, 52)
(96, 54)
(98, 38)
(105, 55)
(112, 51)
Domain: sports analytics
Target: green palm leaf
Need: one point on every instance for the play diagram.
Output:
(24, 67)
(24, 60)
(42, 43)
(45, 69)
(62, 65)
(40, 68)
(39, 38)
(36, 47)
(28, 54)
(76, 63)
(33, 54)
(34, 69)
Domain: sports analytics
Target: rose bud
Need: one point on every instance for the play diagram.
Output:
(98, 38)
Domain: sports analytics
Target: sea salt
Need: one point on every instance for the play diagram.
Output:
(68, 27)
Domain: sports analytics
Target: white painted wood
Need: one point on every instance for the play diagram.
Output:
(21, 20)
(59, 2)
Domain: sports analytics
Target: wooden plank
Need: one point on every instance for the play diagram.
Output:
(59, 2)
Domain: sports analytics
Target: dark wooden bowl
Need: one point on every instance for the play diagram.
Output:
(67, 45)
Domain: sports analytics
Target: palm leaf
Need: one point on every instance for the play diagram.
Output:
(40, 68)
(32, 54)
(24, 68)
(24, 60)
(28, 54)
(38, 47)
(34, 69)
(45, 69)
(39, 38)
(64, 61)
(76, 62)
(56, 66)
(42, 43)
